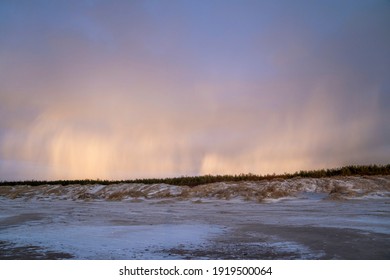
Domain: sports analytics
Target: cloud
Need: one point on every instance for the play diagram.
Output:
(124, 90)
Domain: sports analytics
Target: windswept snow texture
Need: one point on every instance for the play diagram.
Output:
(301, 218)
(334, 188)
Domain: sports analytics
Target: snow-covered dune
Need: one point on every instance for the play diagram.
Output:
(332, 188)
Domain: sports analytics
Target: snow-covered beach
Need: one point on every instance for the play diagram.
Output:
(300, 218)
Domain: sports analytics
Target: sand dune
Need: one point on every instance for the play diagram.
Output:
(331, 188)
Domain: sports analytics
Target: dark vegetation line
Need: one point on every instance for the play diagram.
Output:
(352, 170)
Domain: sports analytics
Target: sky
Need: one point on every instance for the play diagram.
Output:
(139, 89)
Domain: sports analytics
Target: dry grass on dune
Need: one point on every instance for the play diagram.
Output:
(335, 187)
